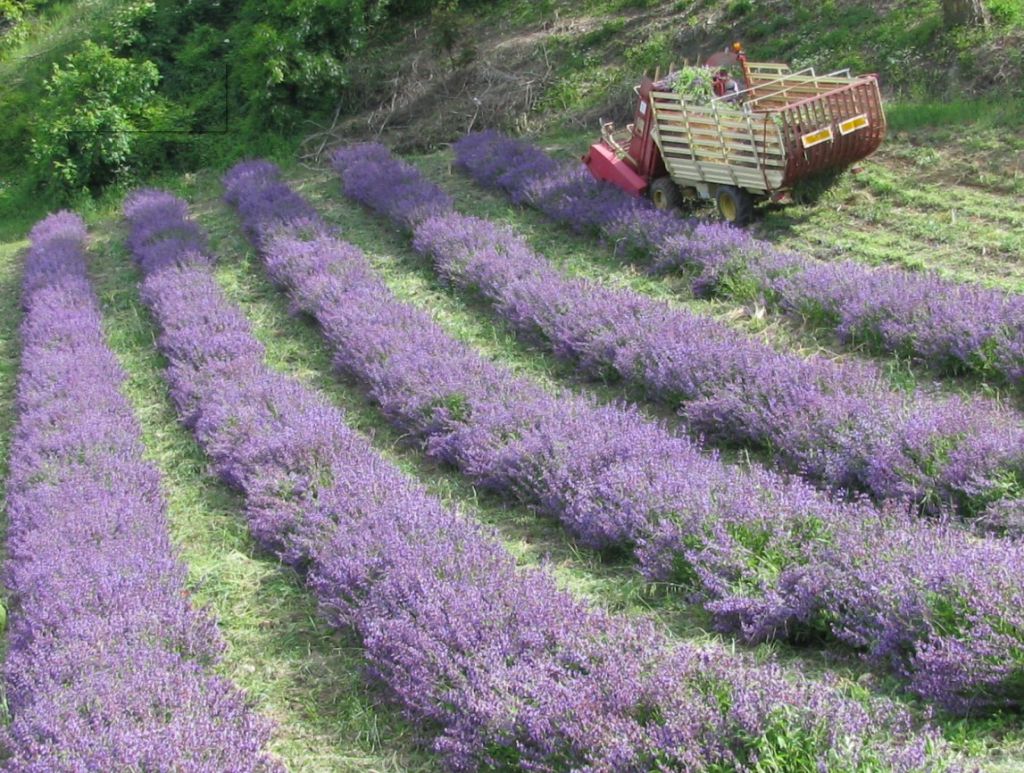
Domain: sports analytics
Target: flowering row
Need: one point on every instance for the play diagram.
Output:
(953, 327)
(506, 670)
(838, 424)
(766, 557)
(108, 666)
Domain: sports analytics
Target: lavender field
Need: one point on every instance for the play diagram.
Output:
(368, 467)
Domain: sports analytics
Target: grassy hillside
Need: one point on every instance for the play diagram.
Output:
(555, 66)
(250, 78)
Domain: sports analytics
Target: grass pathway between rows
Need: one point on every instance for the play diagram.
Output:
(295, 347)
(1000, 740)
(10, 346)
(303, 674)
(583, 256)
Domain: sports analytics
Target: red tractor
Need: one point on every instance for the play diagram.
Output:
(748, 139)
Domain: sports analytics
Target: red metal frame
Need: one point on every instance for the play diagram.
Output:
(604, 163)
(648, 162)
(642, 162)
(824, 110)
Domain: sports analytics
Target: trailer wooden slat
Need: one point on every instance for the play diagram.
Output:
(770, 154)
(701, 113)
(772, 139)
(787, 78)
(735, 138)
(749, 158)
(723, 174)
(757, 146)
(705, 123)
(710, 153)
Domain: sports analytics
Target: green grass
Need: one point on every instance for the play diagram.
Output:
(904, 224)
(919, 206)
(294, 346)
(943, 187)
(910, 115)
(48, 38)
(583, 256)
(303, 675)
(10, 318)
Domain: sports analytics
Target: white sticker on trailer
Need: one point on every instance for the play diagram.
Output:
(643, 107)
(851, 125)
(811, 139)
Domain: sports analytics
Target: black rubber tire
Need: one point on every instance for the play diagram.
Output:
(664, 194)
(735, 205)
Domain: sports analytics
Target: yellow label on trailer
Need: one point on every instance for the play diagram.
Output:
(817, 137)
(850, 125)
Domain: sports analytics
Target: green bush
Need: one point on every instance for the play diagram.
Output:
(122, 25)
(656, 51)
(738, 8)
(448, 36)
(12, 14)
(87, 134)
(1009, 13)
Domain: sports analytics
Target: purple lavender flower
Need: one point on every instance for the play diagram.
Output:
(759, 552)
(501, 668)
(107, 664)
(952, 327)
(839, 425)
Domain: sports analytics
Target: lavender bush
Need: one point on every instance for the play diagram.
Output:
(108, 666)
(766, 557)
(953, 327)
(837, 424)
(496, 664)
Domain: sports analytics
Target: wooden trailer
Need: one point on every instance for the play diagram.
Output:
(756, 144)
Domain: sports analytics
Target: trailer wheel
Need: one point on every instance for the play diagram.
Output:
(665, 194)
(735, 205)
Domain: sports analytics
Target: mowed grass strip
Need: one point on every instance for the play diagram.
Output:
(11, 255)
(584, 256)
(998, 741)
(305, 675)
(886, 216)
(295, 347)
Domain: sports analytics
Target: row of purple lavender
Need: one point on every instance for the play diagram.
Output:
(952, 327)
(766, 557)
(835, 424)
(496, 665)
(108, 666)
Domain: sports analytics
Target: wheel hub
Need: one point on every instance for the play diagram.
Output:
(727, 207)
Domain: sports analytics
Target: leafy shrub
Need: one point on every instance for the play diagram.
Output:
(96, 104)
(12, 13)
(656, 51)
(1007, 12)
(124, 24)
(448, 34)
(738, 8)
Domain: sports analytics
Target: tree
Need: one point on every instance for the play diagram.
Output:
(964, 12)
(88, 124)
